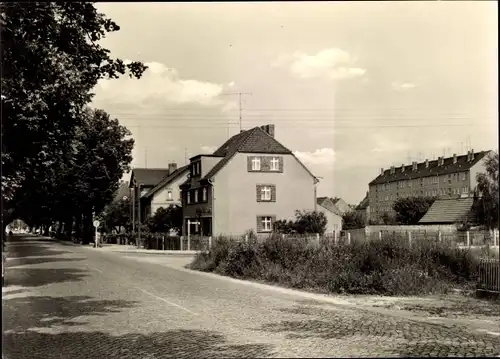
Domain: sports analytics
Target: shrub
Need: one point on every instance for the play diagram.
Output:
(389, 266)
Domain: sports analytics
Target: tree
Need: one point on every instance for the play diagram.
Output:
(353, 220)
(117, 215)
(485, 205)
(411, 209)
(166, 219)
(51, 61)
(310, 222)
(283, 226)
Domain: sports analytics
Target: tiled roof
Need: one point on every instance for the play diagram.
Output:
(255, 140)
(167, 179)
(363, 204)
(448, 210)
(448, 167)
(326, 203)
(148, 176)
(122, 191)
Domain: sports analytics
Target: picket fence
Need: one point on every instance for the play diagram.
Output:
(489, 275)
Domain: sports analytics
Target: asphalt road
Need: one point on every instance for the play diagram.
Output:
(67, 301)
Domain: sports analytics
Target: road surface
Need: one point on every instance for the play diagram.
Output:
(68, 301)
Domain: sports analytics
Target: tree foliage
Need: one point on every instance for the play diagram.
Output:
(305, 223)
(117, 215)
(58, 156)
(410, 210)
(486, 198)
(353, 220)
(166, 219)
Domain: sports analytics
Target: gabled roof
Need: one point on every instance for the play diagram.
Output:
(363, 204)
(255, 140)
(123, 191)
(448, 210)
(147, 176)
(448, 167)
(327, 203)
(166, 180)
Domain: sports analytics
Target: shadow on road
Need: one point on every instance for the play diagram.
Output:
(31, 312)
(30, 250)
(30, 331)
(15, 262)
(35, 277)
(168, 344)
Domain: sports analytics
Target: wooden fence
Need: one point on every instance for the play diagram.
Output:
(489, 275)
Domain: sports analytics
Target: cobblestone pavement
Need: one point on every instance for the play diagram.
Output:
(63, 301)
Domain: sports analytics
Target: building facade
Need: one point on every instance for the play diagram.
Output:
(167, 192)
(451, 177)
(247, 184)
(332, 214)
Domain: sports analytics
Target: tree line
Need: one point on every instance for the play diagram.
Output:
(61, 159)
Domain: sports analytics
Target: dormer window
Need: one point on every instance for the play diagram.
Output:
(275, 164)
(256, 164)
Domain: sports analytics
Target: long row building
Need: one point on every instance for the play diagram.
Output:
(451, 177)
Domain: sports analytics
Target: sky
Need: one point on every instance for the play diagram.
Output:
(351, 87)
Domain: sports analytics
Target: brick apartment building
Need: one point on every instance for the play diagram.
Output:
(451, 177)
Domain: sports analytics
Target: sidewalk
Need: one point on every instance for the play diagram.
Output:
(133, 249)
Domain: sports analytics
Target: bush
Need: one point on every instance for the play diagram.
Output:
(389, 266)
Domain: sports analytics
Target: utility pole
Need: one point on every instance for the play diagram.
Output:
(240, 107)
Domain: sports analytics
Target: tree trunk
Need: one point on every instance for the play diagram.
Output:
(68, 227)
(87, 226)
(78, 225)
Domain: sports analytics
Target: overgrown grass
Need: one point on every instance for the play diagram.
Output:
(389, 266)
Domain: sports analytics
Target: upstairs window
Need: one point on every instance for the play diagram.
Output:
(265, 193)
(204, 194)
(275, 164)
(169, 195)
(256, 164)
(195, 196)
(188, 199)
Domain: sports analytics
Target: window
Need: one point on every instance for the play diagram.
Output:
(275, 164)
(198, 168)
(256, 164)
(265, 193)
(189, 197)
(449, 191)
(266, 223)
(169, 195)
(204, 194)
(464, 176)
(465, 189)
(195, 196)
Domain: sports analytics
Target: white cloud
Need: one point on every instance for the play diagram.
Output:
(208, 149)
(319, 157)
(401, 86)
(334, 63)
(384, 144)
(163, 85)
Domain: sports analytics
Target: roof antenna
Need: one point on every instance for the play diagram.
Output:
(240, 107)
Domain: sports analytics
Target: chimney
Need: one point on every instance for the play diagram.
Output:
(440, 161)
(382, 171)
(269, 129)
(393, 169)
(402, 168)
(172, 167)
(414, 165)
(472, 155)
(426, 163)
(454, 158)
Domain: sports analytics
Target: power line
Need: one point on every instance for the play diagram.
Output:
(240, 105)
